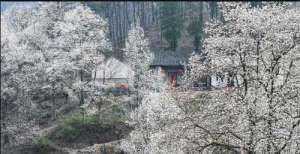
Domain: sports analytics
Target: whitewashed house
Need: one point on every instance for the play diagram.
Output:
(221, 81)
(113, 72)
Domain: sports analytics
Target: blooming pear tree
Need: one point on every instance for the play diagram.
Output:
(47, 50)
(259, 47)
(138, 55)
(77, 37)
(153, 121)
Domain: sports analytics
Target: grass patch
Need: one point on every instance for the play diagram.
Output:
(105, 126)
(112, 116)
(115, 91)
(75, 124)
(42, 145)
(72, 124)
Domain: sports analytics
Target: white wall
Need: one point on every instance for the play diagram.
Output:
(217, 82)
(113, 68)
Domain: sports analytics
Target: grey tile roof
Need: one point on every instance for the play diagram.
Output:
(170, 58)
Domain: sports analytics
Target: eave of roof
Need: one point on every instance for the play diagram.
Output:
(170, 58)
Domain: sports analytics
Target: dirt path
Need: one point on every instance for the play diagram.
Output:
(46, 131)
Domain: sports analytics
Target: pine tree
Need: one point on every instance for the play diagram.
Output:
(171, 23)
(195, 28)
(213, 9)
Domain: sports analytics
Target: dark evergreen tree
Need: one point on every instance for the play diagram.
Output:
(213, 9)
(171, 24)
(195, 28)
(120, 15)
(256, 4)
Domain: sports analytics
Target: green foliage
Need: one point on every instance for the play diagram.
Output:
(195, 29)
(213, 9)
(256, 4)
(42, 145)
(114, 115)
(115, 91)
(72, 124)
(77, 119)
(171, 23)
(279, 3)
(110, 114)
(98, 7)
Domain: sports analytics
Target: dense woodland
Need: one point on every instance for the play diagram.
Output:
(160, 20)
(52, 102)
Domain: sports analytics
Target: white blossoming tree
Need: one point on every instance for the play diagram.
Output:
(46, 51)
(259, 48)
(138, 56)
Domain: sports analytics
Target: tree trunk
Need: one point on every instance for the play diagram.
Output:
(81, 91)
(103, 78)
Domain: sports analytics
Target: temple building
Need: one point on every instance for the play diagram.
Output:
(170, 65)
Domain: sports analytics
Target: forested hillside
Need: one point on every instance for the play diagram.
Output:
(163, 22)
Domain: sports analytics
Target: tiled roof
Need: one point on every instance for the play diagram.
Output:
(170, 58)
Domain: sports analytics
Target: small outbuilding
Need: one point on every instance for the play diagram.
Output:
(114, 72)
(170, 65)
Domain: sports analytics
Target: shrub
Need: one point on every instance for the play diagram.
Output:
(72, 125)
(75, 125)
(116, 91)
(113, 115)
(42, 145)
